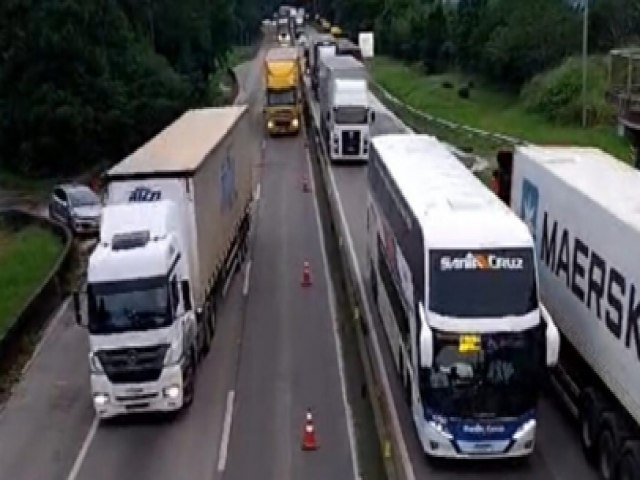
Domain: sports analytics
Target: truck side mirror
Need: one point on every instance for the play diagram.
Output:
(186, 295)
(77, 310)
(328, 116)
(373, 116)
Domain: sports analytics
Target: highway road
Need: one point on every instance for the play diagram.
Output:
(275, 354)
(558, 454)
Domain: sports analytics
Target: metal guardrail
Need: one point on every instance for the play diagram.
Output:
(49, 293)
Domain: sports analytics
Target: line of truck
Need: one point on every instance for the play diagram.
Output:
(174, 229)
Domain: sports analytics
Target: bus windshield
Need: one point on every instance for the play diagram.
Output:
(487, 376)
(482, 283)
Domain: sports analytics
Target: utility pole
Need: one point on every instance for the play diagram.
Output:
(585, 40)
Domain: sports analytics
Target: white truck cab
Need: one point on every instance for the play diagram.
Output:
(348, 120)
(142, 329)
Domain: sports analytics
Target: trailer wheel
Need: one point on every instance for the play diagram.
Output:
(591, 408)
(207, 332)
(606, 453)
(629, 467)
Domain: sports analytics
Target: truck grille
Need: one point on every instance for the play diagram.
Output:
(133, 364)
(350, 142)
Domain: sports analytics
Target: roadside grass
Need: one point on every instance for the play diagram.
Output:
(26, 257)
(487, 109)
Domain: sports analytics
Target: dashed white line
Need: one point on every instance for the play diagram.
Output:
(83, 450)
(257, 194)
(247, 277)
(226, 432)
(338, 342)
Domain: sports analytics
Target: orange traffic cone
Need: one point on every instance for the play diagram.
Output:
(306, 275)
(309, 441)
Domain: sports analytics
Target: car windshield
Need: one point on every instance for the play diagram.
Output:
(484, 376)
(482, 283)
(351, 115)
(130, 305)
(287, 97)
(82, 197)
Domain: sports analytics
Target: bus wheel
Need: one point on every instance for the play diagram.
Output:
(629, 468)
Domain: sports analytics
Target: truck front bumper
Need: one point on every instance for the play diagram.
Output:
(163, 395)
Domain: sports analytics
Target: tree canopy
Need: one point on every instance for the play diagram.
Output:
(87, 81)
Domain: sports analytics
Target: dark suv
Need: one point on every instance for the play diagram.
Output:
(78, 207)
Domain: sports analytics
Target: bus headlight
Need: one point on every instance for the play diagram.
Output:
(440, 425)
(525, 428)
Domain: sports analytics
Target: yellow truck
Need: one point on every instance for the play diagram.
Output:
(283, 105)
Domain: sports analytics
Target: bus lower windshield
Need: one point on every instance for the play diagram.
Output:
(482, 283)
(498, 377)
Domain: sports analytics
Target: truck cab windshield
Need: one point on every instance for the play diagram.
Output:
(482, 283)
(496, 377)
(351, 115)
(287, 97)
(130, 305)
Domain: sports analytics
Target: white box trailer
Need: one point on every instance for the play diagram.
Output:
(583, 208)
(334, 67)
(174, 227)
(203, 162)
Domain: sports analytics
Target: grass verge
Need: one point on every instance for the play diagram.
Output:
(26, 257)
(487, 109)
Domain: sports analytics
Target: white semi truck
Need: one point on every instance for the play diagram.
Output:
(174, 230)
(345, 114)
(454, 278)
(321, 46)
(583, 208)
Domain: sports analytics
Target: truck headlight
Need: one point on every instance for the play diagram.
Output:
(100, 399)
(95, 366)
(294, 123)
(173, 355)
(270, 124)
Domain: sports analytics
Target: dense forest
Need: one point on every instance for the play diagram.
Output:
(86, 81)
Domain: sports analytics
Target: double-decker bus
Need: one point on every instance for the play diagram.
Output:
(454, 279)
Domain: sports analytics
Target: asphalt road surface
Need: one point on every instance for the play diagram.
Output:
(274, 355)
(558, 454)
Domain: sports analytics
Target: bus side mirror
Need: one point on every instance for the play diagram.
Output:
(552, 337)
(426, 340)
(186, 295)
(77, 307)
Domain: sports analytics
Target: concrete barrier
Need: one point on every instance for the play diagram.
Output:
(49, 293)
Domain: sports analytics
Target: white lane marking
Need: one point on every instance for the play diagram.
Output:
(226, 432)
(336, 335)
(257, 194)
(83, 450)
(52, 324)
(247, 276)
(372, 330)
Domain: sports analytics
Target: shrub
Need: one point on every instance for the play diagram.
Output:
(557, 93)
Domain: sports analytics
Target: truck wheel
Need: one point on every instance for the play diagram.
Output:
(207, 331)
(629, 467)
(591, 408)
(189, 381)
(606, 453)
